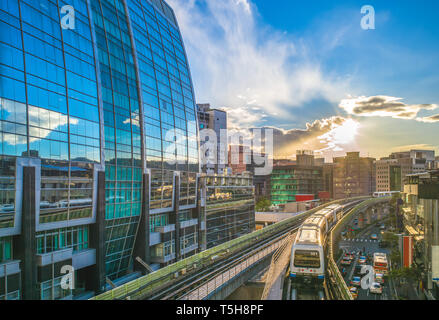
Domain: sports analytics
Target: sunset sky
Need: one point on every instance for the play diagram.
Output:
(308, 69)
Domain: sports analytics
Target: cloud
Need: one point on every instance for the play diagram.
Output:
(237, 62)
(384, 106)
(430, 119)
(244, 117)
(413, 147)
(328, 137)
(38, 118)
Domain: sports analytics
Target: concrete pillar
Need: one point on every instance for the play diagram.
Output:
(201, 194)
(380, 212)
(96, 279)
(141, 247)
(368, 216)
(176, 217)
(361, 220)
(25, 244)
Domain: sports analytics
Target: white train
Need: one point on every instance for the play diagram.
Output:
(307, 263)
(385, 194)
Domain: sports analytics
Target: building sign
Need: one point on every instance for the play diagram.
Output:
(407, 251)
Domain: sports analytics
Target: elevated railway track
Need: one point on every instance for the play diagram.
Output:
(181, 280)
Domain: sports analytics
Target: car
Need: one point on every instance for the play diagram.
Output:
(346, 261)
(376, 288)
(362, 260)
(356, 281)
(354, 292)
(373, 237)
(383, 227)
(350, 256)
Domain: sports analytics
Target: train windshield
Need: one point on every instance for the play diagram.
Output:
(306, 259)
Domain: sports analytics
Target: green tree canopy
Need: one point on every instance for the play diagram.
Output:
(263, 205)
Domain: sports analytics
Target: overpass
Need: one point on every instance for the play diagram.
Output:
(217, 272)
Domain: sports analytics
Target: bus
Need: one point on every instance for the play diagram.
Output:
(380, 264)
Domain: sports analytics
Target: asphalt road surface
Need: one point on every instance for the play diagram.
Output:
(367, 246)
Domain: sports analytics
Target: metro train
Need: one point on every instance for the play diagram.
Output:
(385, 194)
(307, 262)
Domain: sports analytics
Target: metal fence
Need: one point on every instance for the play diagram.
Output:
(205, 290)
(280, 258)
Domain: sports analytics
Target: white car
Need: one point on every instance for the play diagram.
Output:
(376, 288)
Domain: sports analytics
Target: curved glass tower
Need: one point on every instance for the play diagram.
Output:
(98, 143)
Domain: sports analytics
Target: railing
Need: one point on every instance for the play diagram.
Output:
(205, 290)
(145, 285)
(278, 261)
(343, 289)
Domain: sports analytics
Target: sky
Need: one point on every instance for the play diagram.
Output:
(310, 71)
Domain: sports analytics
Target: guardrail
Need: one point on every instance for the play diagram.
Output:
(278, 261)
(148, 284)
(343, 289)
(208, 288)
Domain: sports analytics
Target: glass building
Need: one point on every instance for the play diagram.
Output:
(230, 208)
(289, 181)
(99, 160)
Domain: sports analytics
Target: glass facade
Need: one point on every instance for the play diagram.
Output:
(7, 192)
(52, 290)
(59, 239)
(230, 206)
(114, 92)
(5, 249)
(289, 181)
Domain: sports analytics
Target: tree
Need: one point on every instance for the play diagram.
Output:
(391, 239)
(395, 257)
(263, 205)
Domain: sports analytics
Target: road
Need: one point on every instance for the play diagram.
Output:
(367, 246)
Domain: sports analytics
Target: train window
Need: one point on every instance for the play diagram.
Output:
(306, 259)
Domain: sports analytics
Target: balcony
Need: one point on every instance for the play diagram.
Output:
(166, 229)
(10, 268)
(163, 259)
(84, 258)
(188, 223)
(189, 249)
(54, 257)
(155, 238)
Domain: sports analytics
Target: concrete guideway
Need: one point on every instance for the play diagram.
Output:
(278, 266)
